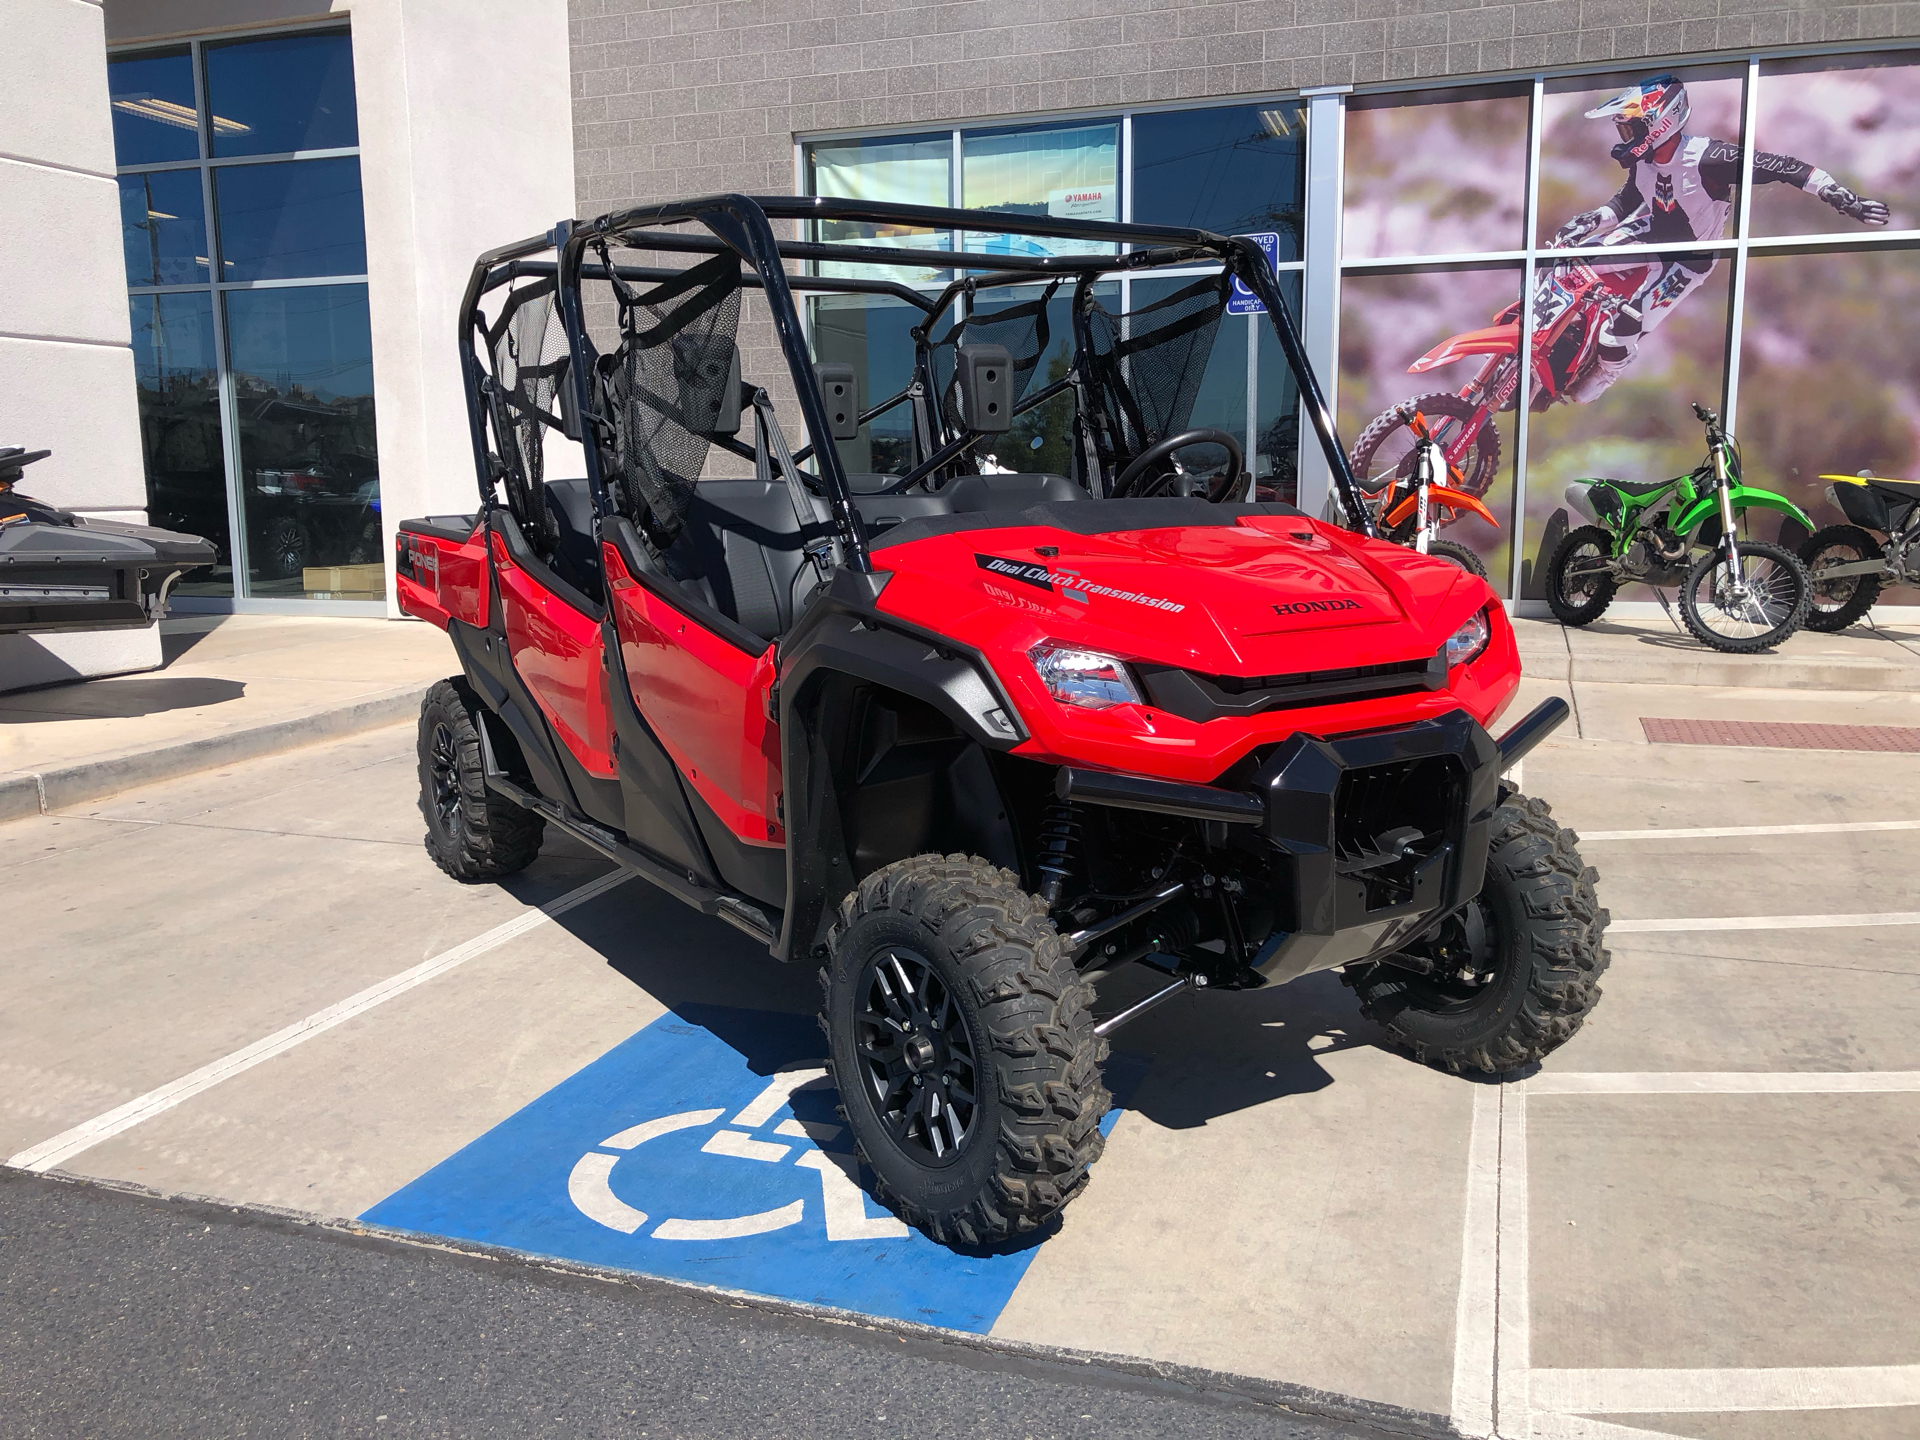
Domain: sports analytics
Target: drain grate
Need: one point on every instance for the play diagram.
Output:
(1781, 735)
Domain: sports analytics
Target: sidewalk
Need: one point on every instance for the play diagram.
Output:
(238, 686)
(1659, 652)
(233, 687)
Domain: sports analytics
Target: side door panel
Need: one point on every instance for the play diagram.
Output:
(557, 650)
(706, 700)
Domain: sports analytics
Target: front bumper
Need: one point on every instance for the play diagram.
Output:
(1381, 835)
(1376, 836)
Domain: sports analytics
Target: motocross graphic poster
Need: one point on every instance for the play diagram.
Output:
(1829, 371)
(1637, 273)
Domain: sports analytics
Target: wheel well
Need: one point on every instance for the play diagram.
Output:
(910, 782)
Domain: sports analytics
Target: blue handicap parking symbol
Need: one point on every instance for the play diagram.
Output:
(706, 1148)
(1243, 301)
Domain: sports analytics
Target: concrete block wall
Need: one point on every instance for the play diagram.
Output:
(687, 97)
(66, 358)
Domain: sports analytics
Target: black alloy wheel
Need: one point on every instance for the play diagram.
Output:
(918, 1056)
(443, 764)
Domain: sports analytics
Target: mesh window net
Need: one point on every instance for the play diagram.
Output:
(1145, 374)
(528, 346)
(664, 387)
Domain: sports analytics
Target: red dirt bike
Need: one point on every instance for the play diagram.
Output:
(1570, 300)
(1412, 511)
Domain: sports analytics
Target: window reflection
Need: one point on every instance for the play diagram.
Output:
(163, 228)
(1236, 170)
(154, 118)
(901, 170)
(179, 397)
(282, 221)
(284, 93)
(1068, 174)
(1276, 459)
(302, 362)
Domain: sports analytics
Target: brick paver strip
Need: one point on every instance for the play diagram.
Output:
(1781, 735)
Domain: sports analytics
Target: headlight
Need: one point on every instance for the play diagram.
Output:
(1466, 643)
(1089, 678)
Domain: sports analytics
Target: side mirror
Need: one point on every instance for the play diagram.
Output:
(983, 387)
(840, 389)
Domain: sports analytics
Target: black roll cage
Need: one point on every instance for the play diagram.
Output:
(742, 224)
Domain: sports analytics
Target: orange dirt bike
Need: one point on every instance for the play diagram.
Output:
(1570, 300)
(1411, 511)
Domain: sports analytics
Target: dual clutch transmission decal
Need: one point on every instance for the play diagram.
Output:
(1066, 583)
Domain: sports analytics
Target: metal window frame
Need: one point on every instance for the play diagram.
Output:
(216, 289)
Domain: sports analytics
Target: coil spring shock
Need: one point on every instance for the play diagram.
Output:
(1059, 850)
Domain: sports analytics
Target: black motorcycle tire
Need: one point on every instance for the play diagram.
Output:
(1569, 608)
(990, 1000)
(1475, 480)
(1459, 554)
(1538, 936)
(1841, 602)
(1785, 563)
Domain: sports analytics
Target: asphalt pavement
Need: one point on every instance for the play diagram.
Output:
(127, 1315)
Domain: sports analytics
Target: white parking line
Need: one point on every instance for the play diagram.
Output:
(1729, 832)
(1669, 1392)
(1726, 1082)
(1513, 1371)
(1476, 1310)
(64, 1146)
(1763, 922)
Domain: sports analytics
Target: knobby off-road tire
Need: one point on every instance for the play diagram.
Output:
(1458, 554)
(472, 833)
(1580, 599)
(997, 984)
(1540, 933)
(1477, 473)
(1780, 590)
(1838, 603)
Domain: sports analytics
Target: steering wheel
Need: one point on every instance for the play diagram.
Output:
(1155, 453)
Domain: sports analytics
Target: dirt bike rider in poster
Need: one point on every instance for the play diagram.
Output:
(1679, 187)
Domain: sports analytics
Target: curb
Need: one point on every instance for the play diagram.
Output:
(26, 792)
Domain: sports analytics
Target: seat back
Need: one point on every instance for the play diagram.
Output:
(575, 558)
(741, 547)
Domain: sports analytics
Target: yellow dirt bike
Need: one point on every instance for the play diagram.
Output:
(1880, 545)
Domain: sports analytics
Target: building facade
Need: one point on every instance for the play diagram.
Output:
(1416, 164)
(251, 220)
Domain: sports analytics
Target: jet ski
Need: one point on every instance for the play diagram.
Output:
(61, 571)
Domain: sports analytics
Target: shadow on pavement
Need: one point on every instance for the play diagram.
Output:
(119, 698)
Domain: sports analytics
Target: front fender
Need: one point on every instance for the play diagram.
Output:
(1744, 497)
(842, 636)
(1494, 340)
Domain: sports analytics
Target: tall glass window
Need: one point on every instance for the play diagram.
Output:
(245, 245)
(1234, 169)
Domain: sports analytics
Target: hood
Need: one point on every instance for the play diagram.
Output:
(1245, 593)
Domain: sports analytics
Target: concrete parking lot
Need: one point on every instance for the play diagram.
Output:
(1697, 1219)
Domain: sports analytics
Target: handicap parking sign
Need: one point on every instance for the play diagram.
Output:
(1243, 301)
(706, 1147)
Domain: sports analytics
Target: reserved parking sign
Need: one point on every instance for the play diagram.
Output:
(1243, 301)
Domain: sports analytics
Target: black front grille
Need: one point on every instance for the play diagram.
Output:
(1387, 818)
(1196, 696)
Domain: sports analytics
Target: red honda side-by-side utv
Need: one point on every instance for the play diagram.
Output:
(964, 738)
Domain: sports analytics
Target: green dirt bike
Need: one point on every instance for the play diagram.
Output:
(1740, 596)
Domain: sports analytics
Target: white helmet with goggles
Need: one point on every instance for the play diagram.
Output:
(1647, 115)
